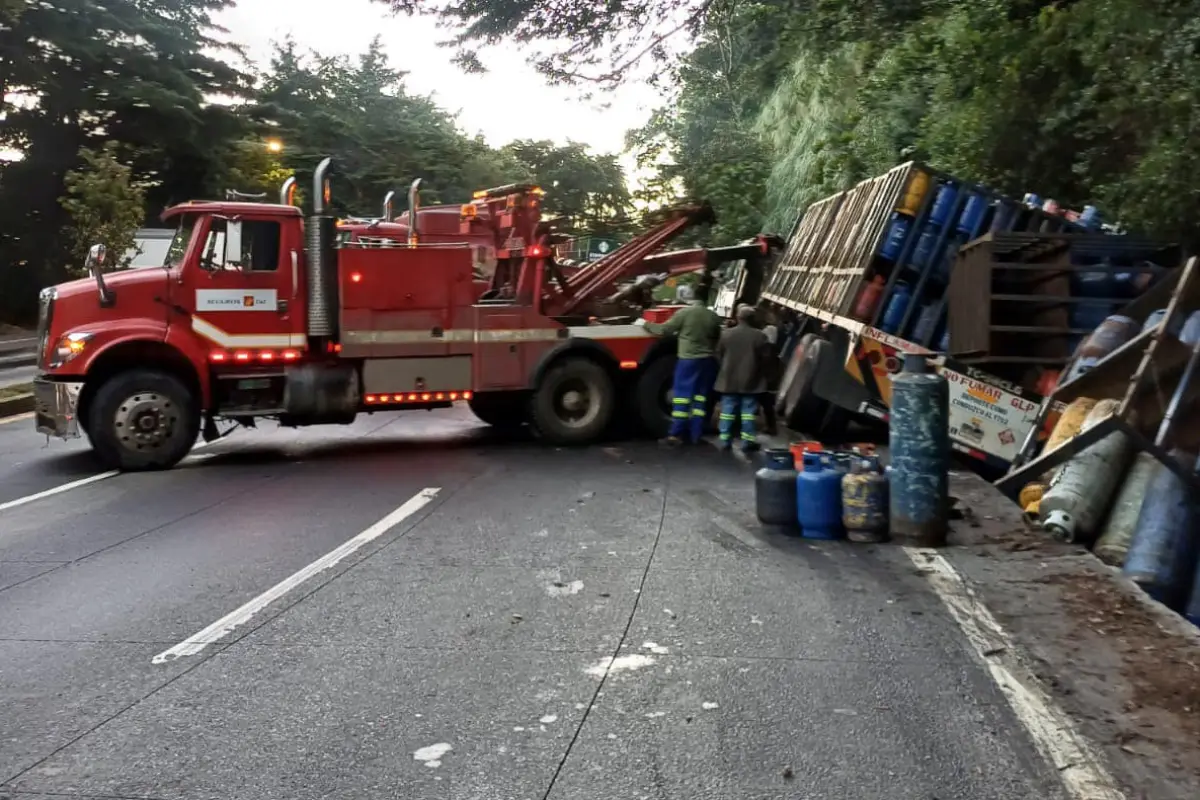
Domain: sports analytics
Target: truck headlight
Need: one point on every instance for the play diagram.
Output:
(67, 348)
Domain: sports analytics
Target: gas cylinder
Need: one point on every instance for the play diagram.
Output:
(943, 204)
(775, 489)
(1046, 382)
(868, 299)
(914, 193)
(1115, 331)
(918, 495)
(944, 343)
(897, 232)
(926, 322)
(1192, 609)
(1078, 495)
(1162, 555)
(971, 218)
(1070, 423)
(893, 315)
(819, 498)
(1153, 319)
(1117, 532)
(864, 502)
(924, 248)
(1190, 332)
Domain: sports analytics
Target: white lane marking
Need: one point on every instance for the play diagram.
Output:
(16, 418)
(226, 624)
(1078, 765)
(66, 487)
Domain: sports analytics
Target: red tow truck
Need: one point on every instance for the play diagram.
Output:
(260, 313)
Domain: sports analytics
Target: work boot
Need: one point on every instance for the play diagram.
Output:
(671, 441)
(725, 446)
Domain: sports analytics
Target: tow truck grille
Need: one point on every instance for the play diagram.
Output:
(45, 315)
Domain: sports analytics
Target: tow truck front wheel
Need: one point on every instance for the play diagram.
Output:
(573, 402)
(143, 420)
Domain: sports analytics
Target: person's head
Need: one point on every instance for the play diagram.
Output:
(745, 315)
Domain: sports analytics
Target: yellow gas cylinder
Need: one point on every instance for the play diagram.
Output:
(1031, 497)
(914, 193)
(1069, 423)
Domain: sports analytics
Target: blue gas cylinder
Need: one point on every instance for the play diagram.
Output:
(1192, 609)
(920, 254)
(819, 498)
(897, 232)
(897, 304)
(775, 489)
(927, 321)
(944, 342)
(918, 497)
(1006, 214)
(1153, 319)
(1090, 218)
(943, 204)
(864, 502)
(1162, 555)
(971, 218)
(1190, 332)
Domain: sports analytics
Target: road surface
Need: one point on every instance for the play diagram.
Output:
(407, 607)
(11, 376)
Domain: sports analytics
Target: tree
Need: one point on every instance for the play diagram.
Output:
(105, 206)
(589, 190)
(75, 74)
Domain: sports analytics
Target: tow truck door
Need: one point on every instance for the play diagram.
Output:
(247, 302)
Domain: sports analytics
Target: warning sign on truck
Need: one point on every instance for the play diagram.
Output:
(986, 417)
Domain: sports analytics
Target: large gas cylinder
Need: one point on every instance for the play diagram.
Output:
(1115, 331)
(1192, 609)
(1117, 532)
(1078, 495)
(819, 498)
(864, 502)
(1067, 427)
(1162, 555)
(918, 494)
(775, 490)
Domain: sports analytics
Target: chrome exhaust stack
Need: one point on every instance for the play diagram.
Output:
(414, 205)
(320, 235)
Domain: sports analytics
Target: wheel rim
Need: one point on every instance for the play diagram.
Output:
(145, 422)
(576, 402)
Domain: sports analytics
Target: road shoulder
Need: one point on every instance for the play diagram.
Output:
(1126, 668)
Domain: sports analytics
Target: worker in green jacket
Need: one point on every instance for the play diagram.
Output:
(699, 329)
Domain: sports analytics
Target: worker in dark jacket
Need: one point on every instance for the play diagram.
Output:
(744, 354)
(699, 329)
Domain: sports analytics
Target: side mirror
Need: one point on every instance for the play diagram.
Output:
(95, 258)
(94, 263)
(233, 243)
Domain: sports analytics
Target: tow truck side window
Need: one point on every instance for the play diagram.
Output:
(260, 247)
(179, 244)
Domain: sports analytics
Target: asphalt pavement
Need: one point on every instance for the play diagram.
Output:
(412, 607)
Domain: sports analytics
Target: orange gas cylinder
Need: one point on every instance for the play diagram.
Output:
(1046, 382)
(868, 299)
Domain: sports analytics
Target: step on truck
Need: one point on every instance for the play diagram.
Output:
(260, 313)
(910, 262)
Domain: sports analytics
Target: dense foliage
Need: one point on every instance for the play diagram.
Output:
(1091, 101)
(129, 106)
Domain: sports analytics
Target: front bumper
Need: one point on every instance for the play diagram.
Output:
(54, 408)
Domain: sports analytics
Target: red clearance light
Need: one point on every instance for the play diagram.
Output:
(291, 355)
(370, 398)
(412, 398)
(218, 356)
(536, 251)
(241, 356)
(440, 396)
(337, 348)
(426, 397)
(356, 277)
(466, 395)
(266, 355)
(454, 395)
(629, 365)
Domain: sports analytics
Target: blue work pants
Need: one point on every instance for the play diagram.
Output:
(693, 382)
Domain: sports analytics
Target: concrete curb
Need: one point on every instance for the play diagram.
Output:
(12, 406)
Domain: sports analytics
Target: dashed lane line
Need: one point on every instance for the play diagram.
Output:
(227, 624)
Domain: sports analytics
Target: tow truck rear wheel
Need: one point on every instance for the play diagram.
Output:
(573, 402)
(143, 420)
(653, 396)
(499, 409)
